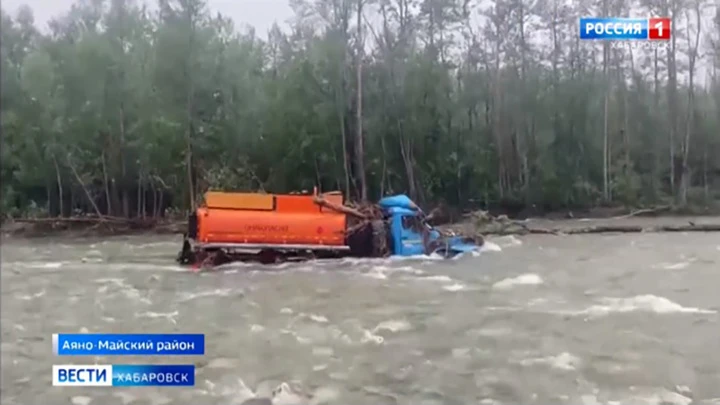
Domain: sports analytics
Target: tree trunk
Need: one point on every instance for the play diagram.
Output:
(657, 151)
(359, 139)
(123, 165)
(406, 154)
(690, 120)
(87, 193)
(346, 164)
(706, 187)
(60, 187)
(606, 140)
(108, 199)
(154, 200)
(48, 195)
(383, 174)
(139, 194)
(672, 101)
(189, 155)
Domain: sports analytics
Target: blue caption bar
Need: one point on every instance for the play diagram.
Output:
(84, 344)
(614, 28)
(151, 375)
(124, 375)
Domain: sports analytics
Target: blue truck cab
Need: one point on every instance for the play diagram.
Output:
(410, 235)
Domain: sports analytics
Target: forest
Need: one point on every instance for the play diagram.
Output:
(123, 109)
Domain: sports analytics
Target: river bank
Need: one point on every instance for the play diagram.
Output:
(477, 223)
(619, 224)
(90, 226)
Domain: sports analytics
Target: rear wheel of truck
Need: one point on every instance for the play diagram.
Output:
(186, 254)
(379, 239)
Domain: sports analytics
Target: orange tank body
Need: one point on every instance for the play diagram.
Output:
(269, 219)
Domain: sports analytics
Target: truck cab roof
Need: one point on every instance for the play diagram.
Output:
(400, 201)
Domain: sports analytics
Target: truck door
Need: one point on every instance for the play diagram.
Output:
(411, 237)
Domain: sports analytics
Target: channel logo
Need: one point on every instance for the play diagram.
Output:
(123, 375)
(82, 376)
(623, 29)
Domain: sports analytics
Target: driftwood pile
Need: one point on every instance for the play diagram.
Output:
(93, 224)
(363, 214)
(368, 216)
(360, 214)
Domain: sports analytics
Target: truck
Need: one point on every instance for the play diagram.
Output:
(271, 228)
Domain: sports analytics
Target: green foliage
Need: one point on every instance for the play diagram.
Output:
(141, 111)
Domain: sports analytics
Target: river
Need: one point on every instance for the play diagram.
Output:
(594, 319)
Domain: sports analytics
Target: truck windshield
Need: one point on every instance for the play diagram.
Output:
(415, 223)
(412, 223)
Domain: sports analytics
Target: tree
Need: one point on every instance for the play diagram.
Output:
(122, 112)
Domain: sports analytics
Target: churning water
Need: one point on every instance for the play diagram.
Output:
(628, 319)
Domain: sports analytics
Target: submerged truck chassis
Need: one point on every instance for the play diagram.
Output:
(270, 228)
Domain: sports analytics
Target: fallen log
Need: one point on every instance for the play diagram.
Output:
(604, 229)
(644, 211)
(339, 208)
(689, 228)
(60, 220)
(91, 220)
(105, 225)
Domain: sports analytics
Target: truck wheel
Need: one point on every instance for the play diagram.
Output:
(379, 239)
(186, 255)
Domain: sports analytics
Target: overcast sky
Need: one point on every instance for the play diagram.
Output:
(259, 13)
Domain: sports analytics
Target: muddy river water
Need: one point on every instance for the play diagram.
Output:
(576, 320)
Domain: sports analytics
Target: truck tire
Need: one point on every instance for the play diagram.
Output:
(379, 239)
(186, 255)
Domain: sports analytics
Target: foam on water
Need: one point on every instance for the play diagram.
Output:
(154, 245)
(521, 280)
(441, 279)
(38, 265)
(30, 297)
(370, 337)
(674, 266)
(421, 258)
(384, 271)
(393, 325)
(317, 318)
(377, 272)
(219, 292)
(409, 269)
(640, 396)
(139, 266)
(645, 303)
(563, 361)
(170, 316)
(454, 287)
(80, 400)
(233, 267)
(270, 393)
(123, 288)
(490, 247)
(506, 241)
(120, 282)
